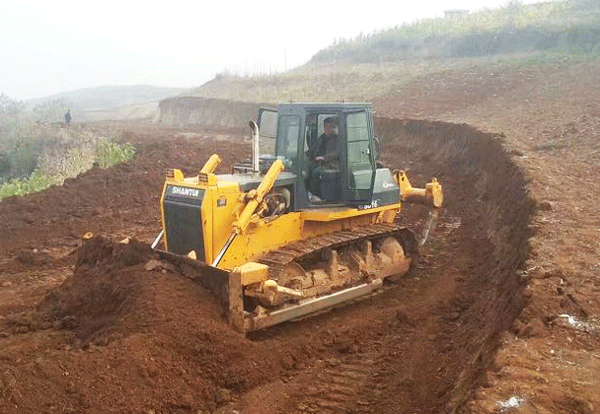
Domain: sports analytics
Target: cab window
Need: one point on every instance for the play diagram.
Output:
(268, 131)
(287, 146)
(360, 171)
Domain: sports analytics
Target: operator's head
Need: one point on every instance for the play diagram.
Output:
(330, 125)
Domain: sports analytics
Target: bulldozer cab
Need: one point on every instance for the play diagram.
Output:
(329, 147)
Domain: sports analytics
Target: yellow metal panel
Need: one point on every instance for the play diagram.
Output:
(226, 207)
(252, 272)
(207, 211)
(337, 213)
(387, 216)
(263, 237)
(317, 228)
(259, 239)
(162, 217)
(175, 174)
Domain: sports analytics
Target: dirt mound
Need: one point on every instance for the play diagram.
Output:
(32, 257)
(150, 337)
(101, 290)
(99, 251)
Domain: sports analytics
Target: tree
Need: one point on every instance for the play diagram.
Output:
(10, 115)
(513, 8)
(9, 107)
(5, 165)
(15, 139)
(52, 111)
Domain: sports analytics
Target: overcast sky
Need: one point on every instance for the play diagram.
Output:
(50, 47)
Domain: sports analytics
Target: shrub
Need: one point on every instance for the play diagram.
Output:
(37, 181)
(111, 153)
(5, 164)
(53, 168)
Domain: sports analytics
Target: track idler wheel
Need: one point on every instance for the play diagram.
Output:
(392, 258)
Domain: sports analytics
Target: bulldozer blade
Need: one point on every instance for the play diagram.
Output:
(226, 287)
(214, 279)
(253, 323)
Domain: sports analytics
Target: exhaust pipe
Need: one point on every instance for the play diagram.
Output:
(255, 148)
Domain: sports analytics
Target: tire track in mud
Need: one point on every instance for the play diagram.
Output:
(337, 385)
(391, 364)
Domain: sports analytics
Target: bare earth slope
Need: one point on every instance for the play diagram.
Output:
(93, 327)
(551, 118)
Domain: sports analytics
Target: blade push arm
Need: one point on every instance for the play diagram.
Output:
(255, 198)
(432, 194)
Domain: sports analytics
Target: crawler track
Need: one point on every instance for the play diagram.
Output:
(314, 247)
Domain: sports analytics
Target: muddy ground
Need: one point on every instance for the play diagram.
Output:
(475, 327)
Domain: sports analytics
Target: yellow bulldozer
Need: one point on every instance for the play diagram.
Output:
(305, 225)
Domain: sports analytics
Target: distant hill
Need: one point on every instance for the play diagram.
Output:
(107, 99)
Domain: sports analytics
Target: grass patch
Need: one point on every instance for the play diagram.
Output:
(111, 153)
(37, 181)
(567, 26)
(54, 168)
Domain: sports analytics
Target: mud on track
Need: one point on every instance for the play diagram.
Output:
(91, 329)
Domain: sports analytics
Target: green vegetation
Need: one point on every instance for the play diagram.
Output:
(565, 26)
(35, 154)
(54, 169)
(37, 181)
(111, 153)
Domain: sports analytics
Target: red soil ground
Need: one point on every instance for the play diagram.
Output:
(476, 327)
(550, 117)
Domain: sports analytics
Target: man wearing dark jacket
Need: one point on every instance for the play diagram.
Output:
(326, 151)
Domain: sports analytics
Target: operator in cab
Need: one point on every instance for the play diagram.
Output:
(326, 152)
(324, 182)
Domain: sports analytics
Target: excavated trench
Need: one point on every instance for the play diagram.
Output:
(144, 337)
(425, 344)
(487, 194)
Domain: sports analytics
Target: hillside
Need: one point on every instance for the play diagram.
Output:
(104, 102)
(560, 26)
(372, 65)
(108, 97)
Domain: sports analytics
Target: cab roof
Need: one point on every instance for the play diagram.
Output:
(296, 107)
